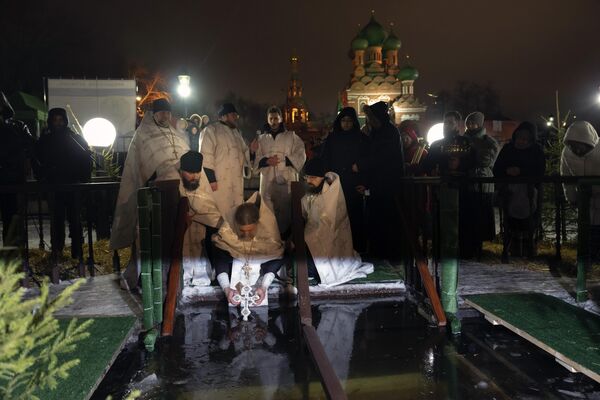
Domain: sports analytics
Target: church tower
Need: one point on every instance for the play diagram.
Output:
(295, 111)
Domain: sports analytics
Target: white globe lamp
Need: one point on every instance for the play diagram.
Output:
(436, 132)
(99, 132)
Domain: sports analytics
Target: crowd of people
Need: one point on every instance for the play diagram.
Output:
(351, 202)
(58, 157)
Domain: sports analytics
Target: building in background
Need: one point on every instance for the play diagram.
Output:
(296, 113)
(378, 76)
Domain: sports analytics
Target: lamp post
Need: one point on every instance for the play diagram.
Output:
(184, 90)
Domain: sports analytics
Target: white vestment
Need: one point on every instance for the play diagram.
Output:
(226, 153)
(275, 181)
(265, 246)
(203, 212)
(154, 149)
(328, 235)
(254, 345)
(336, 333)
(588, 164)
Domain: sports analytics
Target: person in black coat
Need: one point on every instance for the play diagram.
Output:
(454, 156)
(521, 157)
(64, 158)
(383, 167)
(344, 147)
(16, 146)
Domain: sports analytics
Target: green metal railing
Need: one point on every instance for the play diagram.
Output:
(446, 191)
(149, 213)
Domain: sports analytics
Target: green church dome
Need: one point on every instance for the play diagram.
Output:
(392, 42)
(359, 43)
(408, 73)
(374, 33)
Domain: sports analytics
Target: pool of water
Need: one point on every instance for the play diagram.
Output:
(380, 348)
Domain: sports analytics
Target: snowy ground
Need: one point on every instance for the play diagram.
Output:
(477, 278)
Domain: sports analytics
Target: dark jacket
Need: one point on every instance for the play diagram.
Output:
(442, 150)
(16, 146)
(486, 150)
(531, 161)
(342, 149)
(384, 164)
(64, 157)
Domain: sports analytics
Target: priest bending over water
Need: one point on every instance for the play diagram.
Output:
(248, 250)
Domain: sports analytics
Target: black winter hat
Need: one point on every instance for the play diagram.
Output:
(191, 162)
(161, 104)
(227, 108)
(57, 111)
(527, 126)
(378, 110)
(314, 167)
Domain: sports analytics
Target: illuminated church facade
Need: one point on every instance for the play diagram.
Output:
(377, 75)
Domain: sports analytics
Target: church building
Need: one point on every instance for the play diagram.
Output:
(377, 75)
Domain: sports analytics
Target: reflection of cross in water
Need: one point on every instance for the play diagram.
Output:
(245, 296)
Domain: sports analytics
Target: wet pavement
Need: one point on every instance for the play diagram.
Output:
(380, 348)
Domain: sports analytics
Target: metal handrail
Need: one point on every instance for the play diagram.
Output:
(329, 380)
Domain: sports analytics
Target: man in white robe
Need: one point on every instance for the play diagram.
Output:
(248, 242)
(279, 158)
(332, 259)
(225, 156)
(203, 212)
(153, 154)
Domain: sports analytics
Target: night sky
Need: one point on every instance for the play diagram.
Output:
(526, 49)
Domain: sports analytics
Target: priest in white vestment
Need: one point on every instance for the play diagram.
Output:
(153, 155)
(332, 259)
(248, 249)
(279, 158)
(225, 155)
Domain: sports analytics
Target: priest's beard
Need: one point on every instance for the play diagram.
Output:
(190, 185)
(314, 189)
(162, 124)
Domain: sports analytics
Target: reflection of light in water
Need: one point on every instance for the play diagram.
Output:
(428, 361)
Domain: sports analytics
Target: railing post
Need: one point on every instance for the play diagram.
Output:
(55, 273)
(157, 280)
(40, 221)
(584, 191)
(90, 261)
(23, 237)
(300, 254)
(116, 262)
(146, 263)
(175, 267)
(77, 236)
(557, 218)
(449, 252)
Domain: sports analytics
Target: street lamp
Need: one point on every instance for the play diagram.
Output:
(184, 90)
